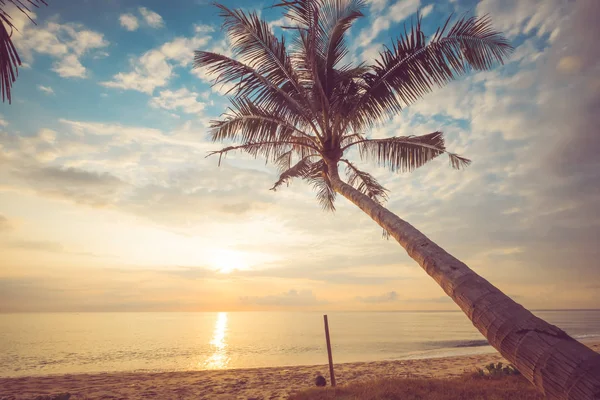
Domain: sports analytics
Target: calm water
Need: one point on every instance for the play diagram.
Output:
(39, 344)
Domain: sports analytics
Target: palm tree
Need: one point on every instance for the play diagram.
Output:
(9, 58)
(305, 108)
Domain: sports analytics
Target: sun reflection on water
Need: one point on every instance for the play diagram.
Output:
(219, 359)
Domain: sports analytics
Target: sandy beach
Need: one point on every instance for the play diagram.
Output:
(258, 383)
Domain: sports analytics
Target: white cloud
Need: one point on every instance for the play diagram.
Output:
(69, 67)
(3, 122)
(384, 298)
(514, 17)
(83, 39)
(150, 71)
(425, 11)
(129, 22)
(120, 134)
(100, 54)
(155, 67)
(376, 5)
(66, 43)
(181, 99)
(46, 89)
(396, 13)
(203, 28)
(283, 21)
(151, 18)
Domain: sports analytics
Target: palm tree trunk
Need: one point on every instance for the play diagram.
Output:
(556, 364)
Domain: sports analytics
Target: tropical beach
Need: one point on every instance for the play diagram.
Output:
(243, 384)
(241, 355)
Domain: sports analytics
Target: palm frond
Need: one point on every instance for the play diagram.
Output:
(406, 153)
(253, 41)
(298, 170)
(349, 140)
(284, 161)
(270, 150)
(458, 162)
(319, 180)
(247, 82)
(314, 174)
(338, 17)
(365, 183)
(299, 11)
(9, 57)
(413, 66)
(247, 122)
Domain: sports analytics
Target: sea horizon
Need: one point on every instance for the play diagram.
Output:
(34, 344)
(273, 311)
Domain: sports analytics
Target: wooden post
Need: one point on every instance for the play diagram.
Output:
(331, 374)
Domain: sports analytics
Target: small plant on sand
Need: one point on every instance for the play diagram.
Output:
(497, 370)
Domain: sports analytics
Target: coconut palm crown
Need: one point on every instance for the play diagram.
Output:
(303, 106)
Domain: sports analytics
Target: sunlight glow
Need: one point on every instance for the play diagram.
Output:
(219, 358)
(227, 261)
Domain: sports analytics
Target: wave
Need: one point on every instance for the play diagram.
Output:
(586, 336)
(483, 342)
(473, 343)
(459, 343)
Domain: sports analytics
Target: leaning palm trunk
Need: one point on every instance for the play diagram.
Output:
(306, 109)
(559, 366)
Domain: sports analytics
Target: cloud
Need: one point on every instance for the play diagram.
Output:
(200, 28)
(393, 297)
(534, 184)
(155, 67)
(5, 225)
(425, 11)
(178, 100)
(534, 172)
(46, 89)
(174, 201)
(384, 298)
(82, 187)
(292, 298)
(193, 273)
(382, 20)
(151, 18)
(129, 22)
(281, 22)
(376, 5)
(162, 176)
(32, 245)
(66, 43)
(514, 17)
(68, 289)
(69, 67)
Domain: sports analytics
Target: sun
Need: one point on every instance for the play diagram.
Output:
(227, 261)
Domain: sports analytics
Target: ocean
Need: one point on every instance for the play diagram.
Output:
(67, 343)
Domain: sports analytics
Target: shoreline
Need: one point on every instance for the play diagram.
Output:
(271, 383)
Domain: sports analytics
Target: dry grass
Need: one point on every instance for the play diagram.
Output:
(467, 387)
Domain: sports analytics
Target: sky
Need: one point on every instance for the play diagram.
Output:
(107, 202)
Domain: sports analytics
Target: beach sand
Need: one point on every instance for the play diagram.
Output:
(257, 383)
